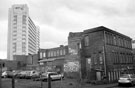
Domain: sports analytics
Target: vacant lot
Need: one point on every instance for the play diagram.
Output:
(27, 83)
(20, 83)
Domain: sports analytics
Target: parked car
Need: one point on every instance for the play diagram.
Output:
(54, 76)
(16, 72)
(4, 74)
(7, 74)
(22, 74)
(127, 79)
(27, 75)
(42, 77)
(35, 74)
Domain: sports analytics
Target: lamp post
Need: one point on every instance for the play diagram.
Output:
(40, 67)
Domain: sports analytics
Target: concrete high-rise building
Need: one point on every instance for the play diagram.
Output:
(23, 35)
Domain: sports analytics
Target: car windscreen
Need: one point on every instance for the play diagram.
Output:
(53, 73)
(125, 76)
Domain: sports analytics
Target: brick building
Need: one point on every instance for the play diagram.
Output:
(72, 62)
(53, 59)
(27, 62)
(8, 64)
(104, 53)
(133, 48)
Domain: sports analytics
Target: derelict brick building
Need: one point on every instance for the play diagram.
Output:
(104, 53)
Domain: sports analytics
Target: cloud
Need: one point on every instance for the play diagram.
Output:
(47, 45)
(56, 18)
(75, 15)
(3, 39)
(48, 34)
(3, 54)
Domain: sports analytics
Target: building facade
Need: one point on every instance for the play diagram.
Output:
(23, 35)
(103, 53)
(72, 62)
(8, 65)
(133, 48)
(106, 53)
(53, 59)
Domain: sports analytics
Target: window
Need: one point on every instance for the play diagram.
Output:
(114, 40)
(64, 52)
(14, 47)
(94, 58)
(17, 7)
(89, 62)
(23, 26)
(44, 54)
(61, 52)
(40, 54)
(126, 43)
(128, 58)
(15, 16)
(130, 46)
(107, 38)
(3, 64)
(57, 52)
(114, 58)
(51, 53)
(24, 19)
(111, 39)
(124, 58)
(120, 58)
(54, 53)
(117, 57)
(86, 41)
(23, 49)
(118, 42)
(80, 46)
(100, 59)
(121, 44)
(14, 27)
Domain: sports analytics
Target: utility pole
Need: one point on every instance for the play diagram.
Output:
(61, 82)
(13, 82)
(49, 80)
(41, 81)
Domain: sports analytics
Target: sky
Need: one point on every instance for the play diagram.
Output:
(56, 18)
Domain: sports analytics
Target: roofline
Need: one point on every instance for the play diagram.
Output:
(53, 48)
(51, 59)
(102, 28)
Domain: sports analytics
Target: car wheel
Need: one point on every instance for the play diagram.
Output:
(119, 84)
(132, 84)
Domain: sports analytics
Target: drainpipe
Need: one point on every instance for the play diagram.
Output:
(104, 54)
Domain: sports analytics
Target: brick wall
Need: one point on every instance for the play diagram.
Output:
(93, 51)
